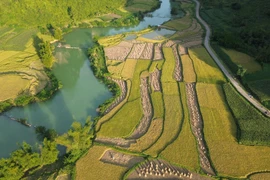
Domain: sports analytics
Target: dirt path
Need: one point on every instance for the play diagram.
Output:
(197, 128)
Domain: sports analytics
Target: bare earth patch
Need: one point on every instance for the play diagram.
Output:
(158, 52)
(120, 159)
(136, 51)
(148, 51)
(119, 52)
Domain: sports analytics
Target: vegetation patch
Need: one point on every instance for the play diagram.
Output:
(115, 67)
(261, 89)
(220, 133)
(253, 126)
(205, 67)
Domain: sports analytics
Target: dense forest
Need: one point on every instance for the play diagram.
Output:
(57, 12)
(241, 25)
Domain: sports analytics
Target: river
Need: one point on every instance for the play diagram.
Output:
(81, 93)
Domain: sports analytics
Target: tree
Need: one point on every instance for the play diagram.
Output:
(78, 137)
(49, 152)
(43, 133)
(241, 71)
(58, 34)
(45, 53)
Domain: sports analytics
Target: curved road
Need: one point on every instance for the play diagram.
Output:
(235, 83)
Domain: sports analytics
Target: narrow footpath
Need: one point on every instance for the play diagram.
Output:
(235, 83)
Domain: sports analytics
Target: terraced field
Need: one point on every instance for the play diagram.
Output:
(176, 114)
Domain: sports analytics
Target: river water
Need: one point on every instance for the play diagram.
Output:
(81, 93)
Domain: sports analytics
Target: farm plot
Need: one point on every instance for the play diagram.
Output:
(129, 68)
(183, 150)
(135, 84)
(173, 119)
(154, 65)
(220, 132)
(90, 167)
(145, 121)
(148, 51)
(115, 67)
(206, 69)
(107, 116)
(11, 86)
(118, 52)
(188, 69)
(136, 51)
(158, 52)
(168, 66)
(158, 106)
(111, 40)
(150, 137)
(123, 122)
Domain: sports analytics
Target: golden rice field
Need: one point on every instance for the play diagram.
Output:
(157, 103)
(115, 67)
(150, 137)
(156, 64)
(170, 88)
(128, 69)
(114, 110)
(11, 86)
(168, 66)
(205, 67)
(220, 136)
(243, 59)
(188, 69)
(172, 123)
(260, 176)
(90, 167)
(183, 150)
(142, 65)
(111, 40)
(124, 121)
